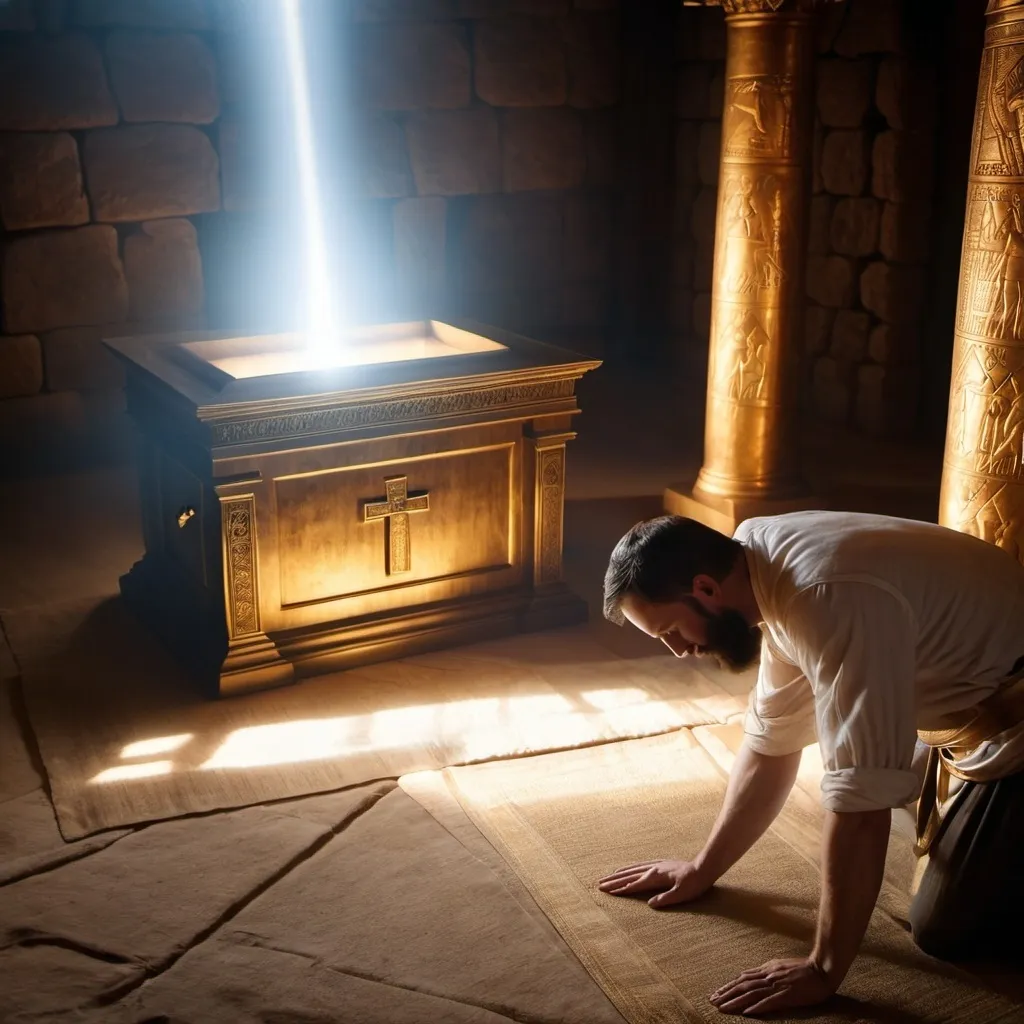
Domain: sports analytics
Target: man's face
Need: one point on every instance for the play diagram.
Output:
(688, 626)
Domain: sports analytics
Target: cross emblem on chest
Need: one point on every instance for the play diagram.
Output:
(394, 508)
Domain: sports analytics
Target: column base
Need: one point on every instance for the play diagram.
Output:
(725, 514)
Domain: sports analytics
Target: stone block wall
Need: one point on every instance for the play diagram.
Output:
(482, 162)
(700, 50)
(105, 154)
(870, 216)
(870, 221)
(133, 138)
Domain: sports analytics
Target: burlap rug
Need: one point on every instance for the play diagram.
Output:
(124, 739)
(564, 820)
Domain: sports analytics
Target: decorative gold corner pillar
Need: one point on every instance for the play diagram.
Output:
(983, 470)
(750, 450)
(253, 661)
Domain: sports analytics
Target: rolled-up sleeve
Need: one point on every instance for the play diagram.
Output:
(780, 712)
(856, 645)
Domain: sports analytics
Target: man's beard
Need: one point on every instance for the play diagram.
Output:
(731, 639)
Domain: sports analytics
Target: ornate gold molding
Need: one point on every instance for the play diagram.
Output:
(983, 468)
(759, 6)
(238, 519)
(549, 497)
(351, 417)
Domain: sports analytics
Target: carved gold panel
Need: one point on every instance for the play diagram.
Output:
(328, 548)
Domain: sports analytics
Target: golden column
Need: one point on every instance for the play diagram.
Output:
(983, 469)
(757, 301)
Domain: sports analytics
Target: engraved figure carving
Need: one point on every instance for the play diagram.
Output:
(990, 510)
(1000, 117)
(741, 366)
(992, 273)
(986, 427)
(759, 114)
(753, 229)
(1011, 272)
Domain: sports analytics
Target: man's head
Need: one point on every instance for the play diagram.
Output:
(687, 585)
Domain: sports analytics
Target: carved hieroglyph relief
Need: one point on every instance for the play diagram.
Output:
(749, 278)
(759, 250)
(751, 258)
(982, 492)
(986, 416)
(991, 510)
(999, 119)
(740, 358)
(992, 270)
(759, 116)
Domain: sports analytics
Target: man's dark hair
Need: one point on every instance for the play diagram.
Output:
(658, 559)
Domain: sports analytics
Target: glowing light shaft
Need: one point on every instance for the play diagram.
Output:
(322, 325)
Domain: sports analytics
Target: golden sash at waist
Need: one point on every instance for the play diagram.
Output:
(962, 732)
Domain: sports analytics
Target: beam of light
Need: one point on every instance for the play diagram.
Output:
(156, 745)
(453, 732)
(125, 772)
(606, 700)
(464, 730)
(320, 307)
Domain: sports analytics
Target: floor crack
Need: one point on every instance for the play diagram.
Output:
(26, 938)
(60, 861)
(258, 942)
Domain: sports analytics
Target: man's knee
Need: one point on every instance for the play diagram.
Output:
(958, 936)
(932, 935)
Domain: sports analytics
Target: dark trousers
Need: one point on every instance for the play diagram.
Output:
(970, 902)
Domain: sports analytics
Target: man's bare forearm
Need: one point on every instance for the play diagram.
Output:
(853, 862)
(758, 787)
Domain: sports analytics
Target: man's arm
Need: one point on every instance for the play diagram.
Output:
(853, 861)
(852, 865)
(758, 787)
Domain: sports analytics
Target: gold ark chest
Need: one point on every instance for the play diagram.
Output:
(305, 511)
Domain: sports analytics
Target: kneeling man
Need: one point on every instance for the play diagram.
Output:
(872, 633)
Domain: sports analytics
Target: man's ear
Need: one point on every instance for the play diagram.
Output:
(707, 587)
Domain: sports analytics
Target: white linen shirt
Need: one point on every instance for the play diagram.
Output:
(873, 627)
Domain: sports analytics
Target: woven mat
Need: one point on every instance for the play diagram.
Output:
(564, 820)
(124, 739)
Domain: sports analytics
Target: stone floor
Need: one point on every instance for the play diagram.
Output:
(355, 906)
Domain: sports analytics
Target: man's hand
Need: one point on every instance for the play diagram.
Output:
(778, 985)
(675, 881)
